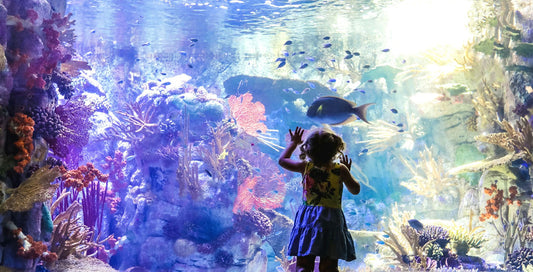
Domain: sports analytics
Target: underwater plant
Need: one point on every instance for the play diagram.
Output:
(429, 177)
(487, 104)
(520, 258)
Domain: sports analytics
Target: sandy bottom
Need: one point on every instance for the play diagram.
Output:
(73, 264)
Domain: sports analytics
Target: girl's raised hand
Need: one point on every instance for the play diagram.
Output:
(296, 137)
(346, 161)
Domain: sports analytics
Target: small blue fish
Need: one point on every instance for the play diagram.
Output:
(288, 43)
(385, 50)
(93, 31)
(362, 91)
(401, 130)
(301, 52)
(183, 53)
(332, 80)
(348, 57)
(281, 59)
(326, 38)
(364, 151)
(294, 54)
(311, 84)
(146, 44)
(386, 236)
(356, 54)
(189, 65)
(415, 224)
(327, 45)
(120, 82)
(281, 64)
(165, 83)
(380, 242)
(303, 66)
(163, 74)
(366, 66)
(400, 125)
(348, 52)
(394, 111)
(321, 69)
(310, 58)
(193, 39)
(208, 173)
(370, 81)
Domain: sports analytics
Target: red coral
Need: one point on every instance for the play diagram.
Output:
(248, 115)
(82, 177)
(22, 126)
(116, 171)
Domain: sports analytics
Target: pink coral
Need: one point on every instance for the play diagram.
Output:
(267, 194)
(247, 114)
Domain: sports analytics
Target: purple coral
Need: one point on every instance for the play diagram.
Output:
(75, 116)
(48, 125)
(433, 233)
(64, 84)
(519, 258)
(252, 221)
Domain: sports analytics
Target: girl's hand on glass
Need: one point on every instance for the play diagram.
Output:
(346, 161)
(296, 137)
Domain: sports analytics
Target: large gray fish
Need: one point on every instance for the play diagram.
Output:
(336, 111)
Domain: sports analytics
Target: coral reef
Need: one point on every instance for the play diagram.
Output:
(22, 126)
(429, 177)
(37, 188)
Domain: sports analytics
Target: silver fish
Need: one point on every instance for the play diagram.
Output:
(334, 110)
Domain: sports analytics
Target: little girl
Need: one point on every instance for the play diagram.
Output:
(320, 227)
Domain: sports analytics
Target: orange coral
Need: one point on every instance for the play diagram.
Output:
(82, 177)
(248, 115)
(495, 203)
(22, 126)
(31, 249)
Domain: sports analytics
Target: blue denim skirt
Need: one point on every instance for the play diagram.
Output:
(321, 231)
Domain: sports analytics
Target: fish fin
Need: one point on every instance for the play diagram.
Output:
(361, 111)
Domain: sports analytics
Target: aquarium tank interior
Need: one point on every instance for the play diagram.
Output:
(144, 135)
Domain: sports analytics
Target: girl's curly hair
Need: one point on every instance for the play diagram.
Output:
(322, 146)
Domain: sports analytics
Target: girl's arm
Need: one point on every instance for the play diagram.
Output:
(351, 183)
(285, 158)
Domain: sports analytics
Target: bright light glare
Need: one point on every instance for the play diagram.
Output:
(419, 25)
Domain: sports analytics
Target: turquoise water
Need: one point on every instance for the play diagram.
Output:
(186, 106)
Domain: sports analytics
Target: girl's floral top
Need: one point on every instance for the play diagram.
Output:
(322, 187)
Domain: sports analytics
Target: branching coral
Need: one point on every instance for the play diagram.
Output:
(22, 126)
(463, 239)
(249, 115)
(115, 166)
(37, 188)
(218, 153)
(187, 174)
(69, 236)
(517, 140)
(429, 177)
(487, 104)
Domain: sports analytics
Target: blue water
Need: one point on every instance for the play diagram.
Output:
(187, 106)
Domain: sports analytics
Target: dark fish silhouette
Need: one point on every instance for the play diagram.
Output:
(348, 57)
(356, 54)
(385, 50)
(303, 66)
(193, 39)
(348, 52)
(327, 45)
(326, 38)
(288, 43)
(281, 64)
(366, 66)
(415, 224)
(321, 69)
(394, 111)
(336, 111)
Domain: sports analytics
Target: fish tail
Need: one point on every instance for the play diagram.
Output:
(361, 111)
